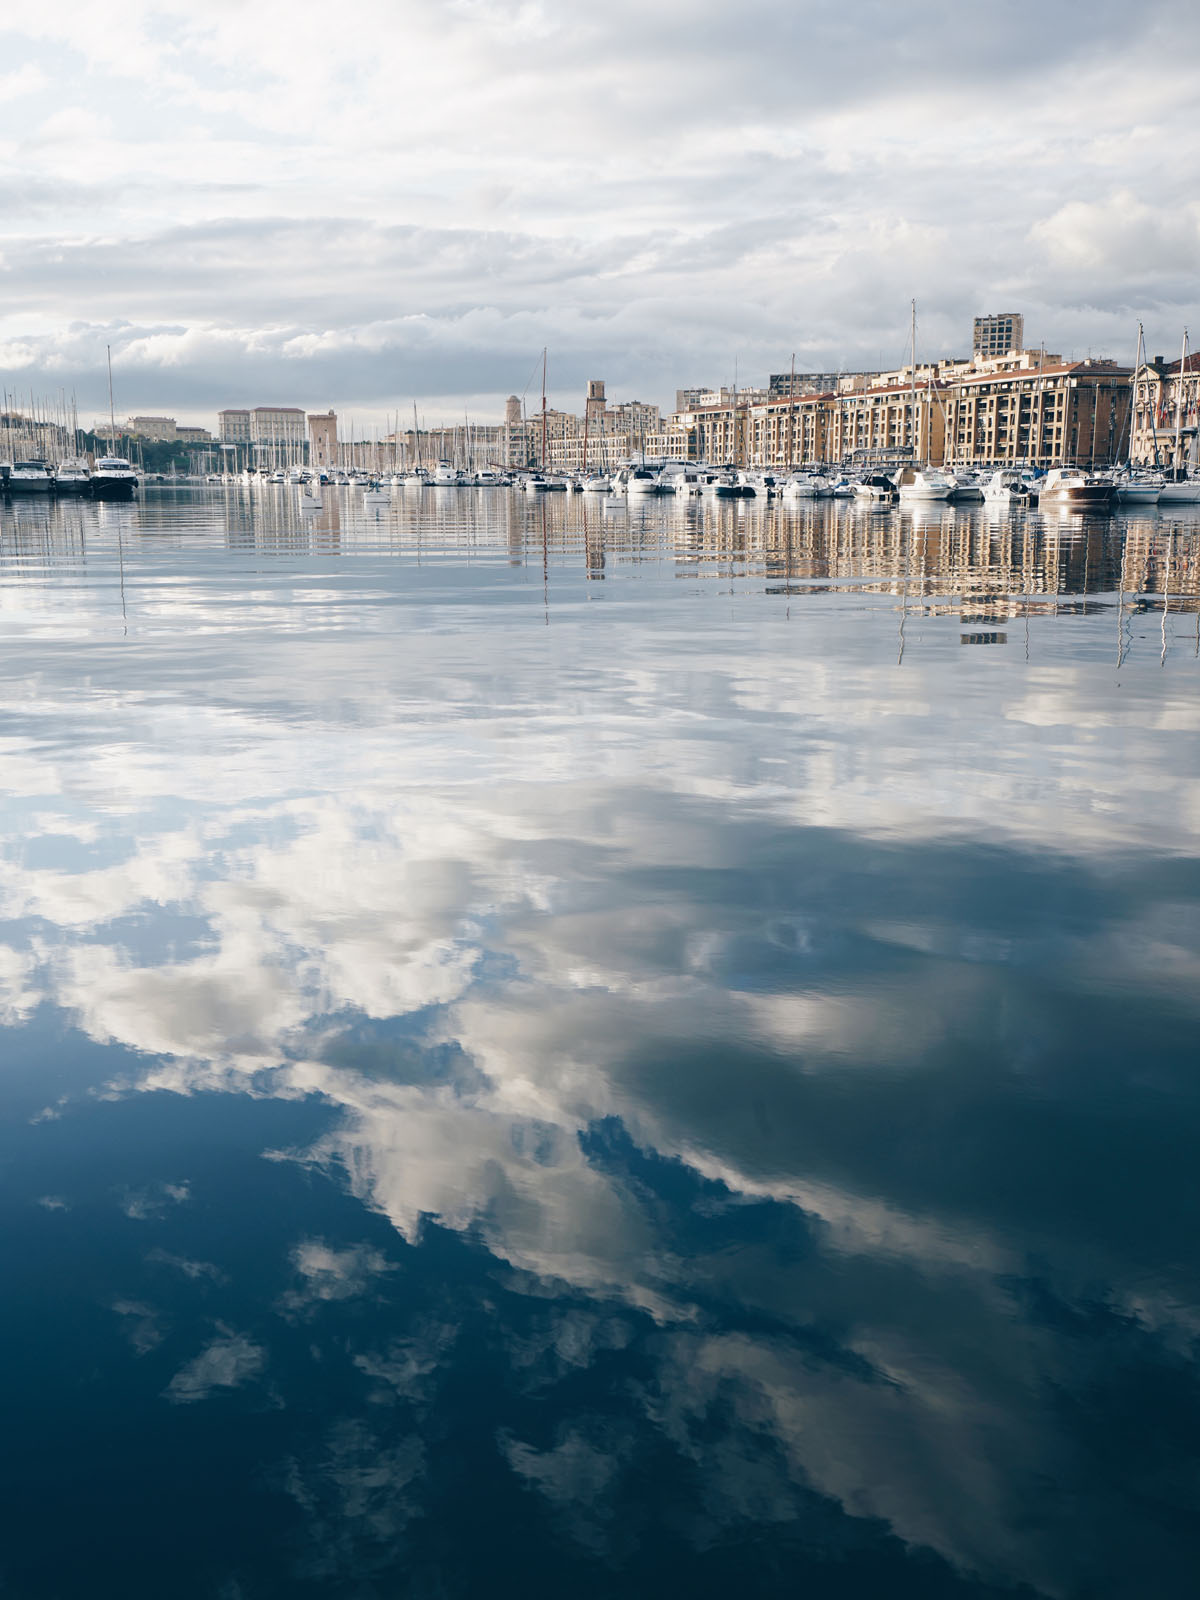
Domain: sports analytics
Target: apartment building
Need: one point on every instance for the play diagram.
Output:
(162, 430)
(233, 426)
(1064, 413)
(1166, 413)
(998, 333)
(278, 427)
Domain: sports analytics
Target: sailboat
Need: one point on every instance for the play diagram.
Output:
(921, 482)
(112, 477)
(1179, 487)
(1137, 485)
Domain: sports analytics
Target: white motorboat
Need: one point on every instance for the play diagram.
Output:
(642, 481)
(535, 483)
(967, 484)
(72, 477)
(1074, 489)
(597, 483)
(875, 486)
(764, 484)
(803, 486)
(485, 478)
(445, 476)
(29, 477)
(113, 479)
(1011, 486)
(721, 486)
(925, 483)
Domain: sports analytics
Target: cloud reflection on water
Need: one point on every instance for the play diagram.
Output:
(546, 967)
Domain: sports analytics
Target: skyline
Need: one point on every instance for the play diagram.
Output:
(251, 208)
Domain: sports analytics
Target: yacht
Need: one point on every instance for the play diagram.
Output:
(1136, 488)
(765, 484)
(925, 483)
(1074, 488)
(445, 476)
(29, 477)
(597, 483)
(875, 486)
(721, 486)
(1011, 486)
(72, 477)
(807, 486)
(967, 484)
(113, 479)
(1179, 491)
(485, 478)
(535, 483)
(643, 481)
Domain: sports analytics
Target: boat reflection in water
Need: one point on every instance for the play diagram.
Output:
(592, 1038)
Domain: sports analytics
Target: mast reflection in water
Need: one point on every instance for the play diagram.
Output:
(594, 1049)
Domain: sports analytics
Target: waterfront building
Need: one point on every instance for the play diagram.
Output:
(278, 427)
(322, 440)
(781, 385)
(162, 430)
(233, 426)
(188, 435)
(1046, 413)
(998, 333)
(1165, 392)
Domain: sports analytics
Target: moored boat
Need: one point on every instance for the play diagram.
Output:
(72, 477)
(113, 479)
(29, 477)
(1075, 489)
(925, 483)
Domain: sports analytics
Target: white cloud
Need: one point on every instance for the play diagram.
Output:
(643, 190)
(228, 1362)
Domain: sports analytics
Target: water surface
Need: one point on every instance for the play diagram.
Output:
(557, 1047)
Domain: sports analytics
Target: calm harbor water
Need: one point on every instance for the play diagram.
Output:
(555, 1048)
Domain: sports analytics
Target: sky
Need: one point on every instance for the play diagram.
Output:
(395, 202)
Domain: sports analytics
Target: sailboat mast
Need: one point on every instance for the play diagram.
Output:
(913, 421)
(543, 408)
(792, 413)
(1179, 403)
(112, 416)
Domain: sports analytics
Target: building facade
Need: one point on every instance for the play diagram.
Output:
(1065, 414)
(233, 426)
(279, 428)
(163, 430)
(1166, 414)
(322, 440)
(998, 333)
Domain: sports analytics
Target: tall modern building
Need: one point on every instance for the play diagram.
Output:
(997, 334)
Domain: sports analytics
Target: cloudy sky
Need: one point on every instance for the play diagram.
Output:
(384, 201)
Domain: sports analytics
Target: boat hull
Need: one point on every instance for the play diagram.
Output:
(1088, 497)
(113, 489)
